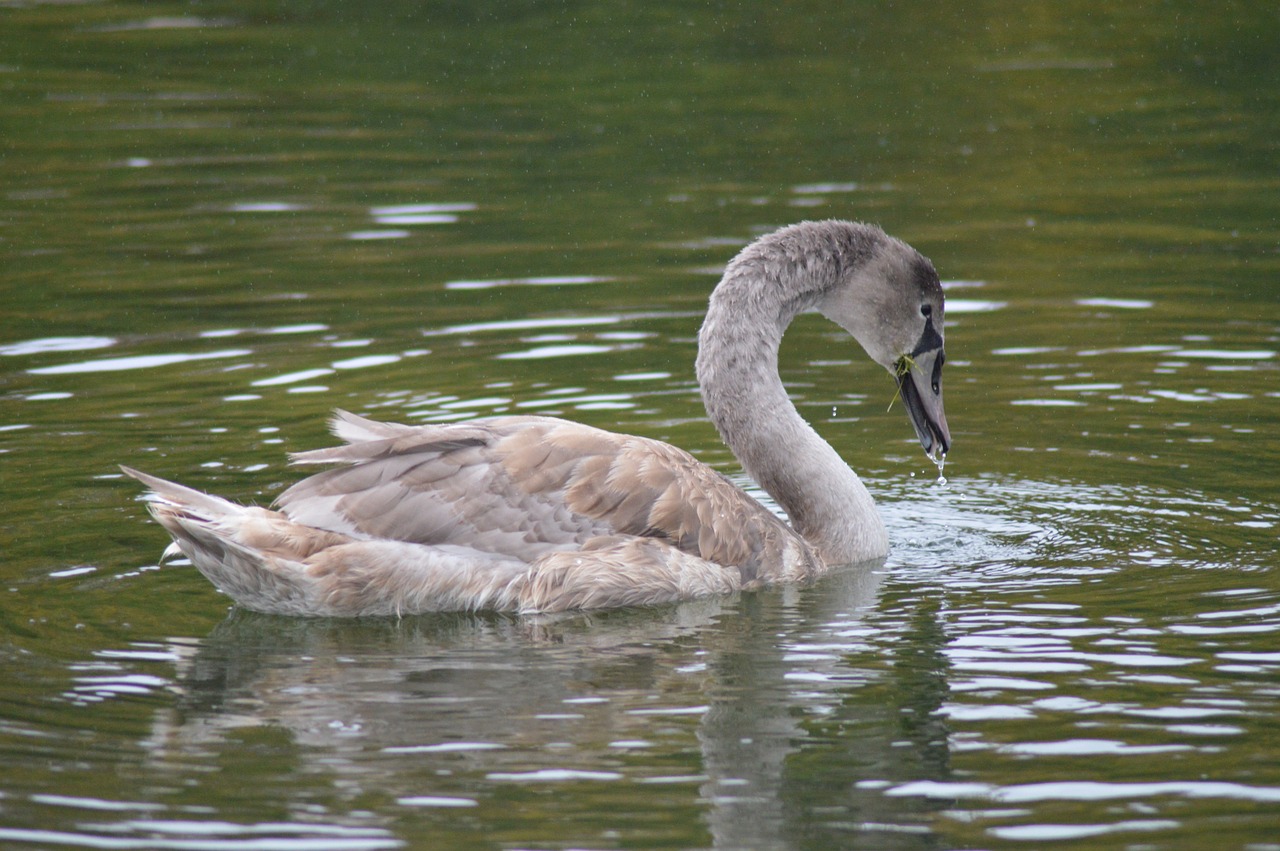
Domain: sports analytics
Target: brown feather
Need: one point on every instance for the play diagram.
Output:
(520, 486)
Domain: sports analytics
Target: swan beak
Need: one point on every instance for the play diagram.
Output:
(920, 387)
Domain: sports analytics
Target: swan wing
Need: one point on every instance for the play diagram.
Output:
(269, 563)
(525, 487)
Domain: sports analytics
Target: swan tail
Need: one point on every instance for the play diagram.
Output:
(163, 491)
(255, 556)
(268, 563)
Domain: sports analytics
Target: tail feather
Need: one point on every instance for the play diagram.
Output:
(353, 428)
(172, 493)
(268, 563)
(362, 438)
(249, 553)
(365, 440)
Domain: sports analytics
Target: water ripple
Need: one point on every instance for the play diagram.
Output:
(136, 362)
(42, 345)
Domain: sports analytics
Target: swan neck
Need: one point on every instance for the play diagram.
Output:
(741, 388)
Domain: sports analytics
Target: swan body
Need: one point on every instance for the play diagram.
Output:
(538, 514)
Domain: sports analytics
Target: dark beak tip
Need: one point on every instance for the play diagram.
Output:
(943, 441)
(941, 445)
(929, 422)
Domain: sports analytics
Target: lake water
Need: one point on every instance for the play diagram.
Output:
(219, 221)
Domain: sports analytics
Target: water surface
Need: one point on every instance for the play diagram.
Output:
(220, 222)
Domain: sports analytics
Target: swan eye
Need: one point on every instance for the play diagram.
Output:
(926, 310)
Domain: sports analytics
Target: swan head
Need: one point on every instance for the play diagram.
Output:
(892, 304)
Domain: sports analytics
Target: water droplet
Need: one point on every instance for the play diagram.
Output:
(941, 461)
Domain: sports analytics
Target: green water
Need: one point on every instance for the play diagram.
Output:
(219, 221)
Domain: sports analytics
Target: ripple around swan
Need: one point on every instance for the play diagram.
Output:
(1052, 626)
(1043, 524)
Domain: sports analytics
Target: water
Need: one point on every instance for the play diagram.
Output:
(221, 222)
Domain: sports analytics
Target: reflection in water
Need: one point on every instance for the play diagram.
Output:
(492, 701)
(850, 712)
(854, 713)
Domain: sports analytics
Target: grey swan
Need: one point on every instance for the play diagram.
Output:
(538, 514)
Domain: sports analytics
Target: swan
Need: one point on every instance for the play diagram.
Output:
(538, 514)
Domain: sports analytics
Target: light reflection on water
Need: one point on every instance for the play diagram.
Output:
(1190, 376)
(194, 834)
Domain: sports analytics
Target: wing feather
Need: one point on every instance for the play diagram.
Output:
(523, 487)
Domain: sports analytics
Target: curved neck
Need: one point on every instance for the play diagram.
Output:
(737, 370)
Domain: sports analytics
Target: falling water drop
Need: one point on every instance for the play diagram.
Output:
(941, 461)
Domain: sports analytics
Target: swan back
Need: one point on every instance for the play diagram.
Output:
(526, 486)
